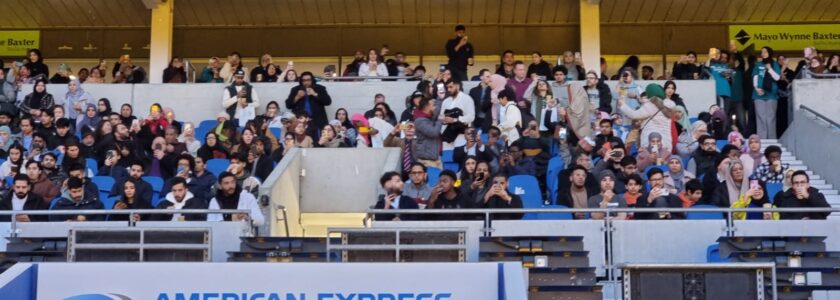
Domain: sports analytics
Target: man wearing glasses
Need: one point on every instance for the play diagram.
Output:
(417, 185)
(703, 159)
(802, 195)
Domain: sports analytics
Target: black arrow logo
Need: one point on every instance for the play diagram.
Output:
(742, 37)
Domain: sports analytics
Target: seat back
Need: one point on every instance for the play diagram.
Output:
(217, 165)
(528, 188)
(105, 183)
(434, 174)
(704, 215)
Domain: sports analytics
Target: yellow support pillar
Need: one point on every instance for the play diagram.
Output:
(590, 34)
(161, 40)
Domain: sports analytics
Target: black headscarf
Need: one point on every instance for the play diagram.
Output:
(36, 97)
(127, 120)
(107, 112)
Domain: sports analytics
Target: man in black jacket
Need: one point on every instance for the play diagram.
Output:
(460, 53)
(802, 195)
(483, 105)
(658, 196)
(605, 136)
(499, 197)
(578, 193)
(79, 199)
(446, 196)
(259, 163)
(311, 98)
(392, 183)
(21, 199)
(180, 198)
(473, 147)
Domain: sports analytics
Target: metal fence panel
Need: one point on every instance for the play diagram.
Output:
(592, 232)
(475, 230)
(672, 241)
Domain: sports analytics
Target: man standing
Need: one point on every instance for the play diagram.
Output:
(520, 82)
(428, 135)
(240, 97)
(312, 98)
(21, 199)
(392, 183)
(407, 144)
(231, 196)
(456, 100)
(481, 99)
(460, 53)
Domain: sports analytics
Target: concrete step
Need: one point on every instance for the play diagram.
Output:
(817, 181)
(769, 141)
(823, 187)
(829, 192)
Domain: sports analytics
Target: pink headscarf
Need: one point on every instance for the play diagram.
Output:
(733, 136)
(357, 117)
(497, 83)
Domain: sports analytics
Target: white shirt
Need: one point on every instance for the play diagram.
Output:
(228, 99)
(246, 202)
(381, 70)
(17, 204)
(462, 101)
(396, 203)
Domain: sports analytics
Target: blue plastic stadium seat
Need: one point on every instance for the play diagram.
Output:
(105, 183)
(434, 174)
(10, 181)
(217, 166)
(713, 254)
(452, 166)
(692, 119)
(92, 165)
(704, 215)
(555, 165)
(528, 188)
(208, 124)
(484, 138)
(721, 143)
(277, 132)
(773, 189)
(54, 201)
(446, 156)
(156, 182)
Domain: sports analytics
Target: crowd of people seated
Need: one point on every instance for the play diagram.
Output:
(632, 146)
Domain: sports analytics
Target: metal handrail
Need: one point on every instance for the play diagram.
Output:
(359, 78)
(604, 210)
(123, 212)
(813, 75)
(819, 115)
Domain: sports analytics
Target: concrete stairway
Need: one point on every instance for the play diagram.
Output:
(831, 194)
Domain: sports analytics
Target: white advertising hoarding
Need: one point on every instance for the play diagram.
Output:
(271, 281)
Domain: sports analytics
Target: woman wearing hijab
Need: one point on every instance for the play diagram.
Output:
(103, 107)
(127, 114)
(677, 176)
(734, 186)
(756, 196)
(687, 143)
(175, 72)
(363, 129)
(6, 141)
(655, 153)
(212, 148)
(156, 122)
(76, 100)
(736, 139)
(753, 157)
(37, 101)
(90, 119)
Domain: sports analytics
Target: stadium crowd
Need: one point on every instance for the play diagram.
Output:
(583, 145)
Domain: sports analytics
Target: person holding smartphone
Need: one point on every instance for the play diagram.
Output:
(499, 197)
(460, 53)
(446, 196)
(392, 184)
(658, 196)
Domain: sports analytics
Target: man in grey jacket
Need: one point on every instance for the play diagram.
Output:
(428, 134)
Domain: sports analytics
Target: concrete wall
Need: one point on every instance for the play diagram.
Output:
(323, 188)
(815, 141)
(196, 102)
(818, 94)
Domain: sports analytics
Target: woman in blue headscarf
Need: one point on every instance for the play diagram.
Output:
(90, 119)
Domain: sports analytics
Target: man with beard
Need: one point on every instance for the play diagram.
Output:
(231, 196)
(21, 199)
(53, 170)
(180, 198)
(703, 159)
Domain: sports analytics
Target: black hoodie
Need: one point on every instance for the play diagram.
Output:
(90, 201)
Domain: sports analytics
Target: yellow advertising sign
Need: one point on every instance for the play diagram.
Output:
(17, 42)
(786, 37)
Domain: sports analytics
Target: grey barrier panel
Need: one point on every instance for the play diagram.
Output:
(592, 232)
(343, 180)
(671, 241)
(5, 231)
(827, 228)
(59, 229)
(814, 141)
(474, 231)
(204, 100)
(224, 235)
